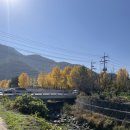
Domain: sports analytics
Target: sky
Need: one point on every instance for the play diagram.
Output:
(76, 31)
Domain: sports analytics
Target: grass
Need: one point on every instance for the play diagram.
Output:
(98, 121)
(17, 121)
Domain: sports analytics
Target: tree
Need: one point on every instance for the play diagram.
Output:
(49, 81)
(33, 82)
(65, 76)
(7, 83)
(42, 80)
(104, 80)
(56, 77)
(23, 80)
(14, 82)
(78, 78)
(92, 80)
(4, 84)
(122, 80)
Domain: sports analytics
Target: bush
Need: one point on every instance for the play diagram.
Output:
(17, 121)
(7, 102)
(30, 105)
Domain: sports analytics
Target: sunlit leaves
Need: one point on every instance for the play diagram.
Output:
(4, 84)
(122, 79)
(42, 80)
(23, 80)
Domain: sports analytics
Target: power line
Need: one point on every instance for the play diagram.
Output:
(41, 43)
(42, 49)
(48, 55)
(56, 50)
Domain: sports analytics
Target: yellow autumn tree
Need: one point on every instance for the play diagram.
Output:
(7, 83)
(65, 73)
(78, 78)
(104, 80)
(23, 80)
(33, 82)
(122, 79)
(49, 81)
(56, 77)
(4, 84)
(63, 82)
(42, 80)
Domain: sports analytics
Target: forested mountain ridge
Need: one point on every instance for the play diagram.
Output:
(12, 63)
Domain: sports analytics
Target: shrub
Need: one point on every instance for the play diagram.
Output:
(7, 102)
(30, 105)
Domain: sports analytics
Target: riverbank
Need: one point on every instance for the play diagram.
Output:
(69, 122)
(17, 120)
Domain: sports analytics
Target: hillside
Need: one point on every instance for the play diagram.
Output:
(12, 63)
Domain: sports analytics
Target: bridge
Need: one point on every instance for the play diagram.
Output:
(44, 96)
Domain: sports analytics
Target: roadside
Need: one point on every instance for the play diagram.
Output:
(20, 121)
(2, 124)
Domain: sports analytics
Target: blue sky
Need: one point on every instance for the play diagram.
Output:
(76, 31)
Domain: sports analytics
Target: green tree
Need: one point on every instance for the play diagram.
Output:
(14, 82)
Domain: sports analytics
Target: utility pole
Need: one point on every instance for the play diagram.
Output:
(104, 61)
(92, 80)
(92, 66)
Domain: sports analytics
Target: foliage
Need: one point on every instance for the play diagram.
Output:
(79, 78)
(14, 82)
(104, 80)
(56, 77)
(65, 77)
(17, 121)
(4, 84)
(96, 121)
(9, 104)
(122, 80)
(113, 85)
(23, 80)
(42, 80)
(30, 105)
(33, 82)
(68, 78)
(76, 77)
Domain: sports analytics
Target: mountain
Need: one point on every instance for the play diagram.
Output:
(12, 63)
